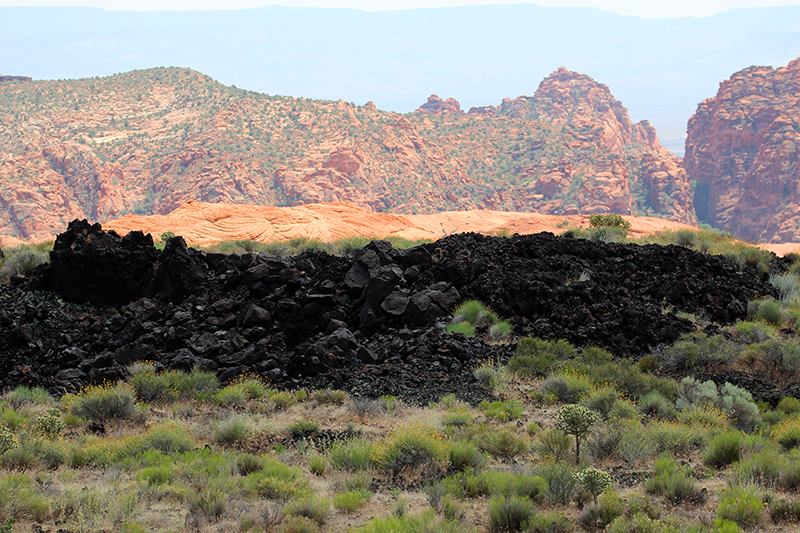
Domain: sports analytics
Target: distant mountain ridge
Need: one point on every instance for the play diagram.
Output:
(149, 141)
(660, 68)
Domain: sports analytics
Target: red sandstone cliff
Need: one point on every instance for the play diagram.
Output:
(742, 149)
(148, 142)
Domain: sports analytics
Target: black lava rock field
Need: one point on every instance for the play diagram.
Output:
(371, 323)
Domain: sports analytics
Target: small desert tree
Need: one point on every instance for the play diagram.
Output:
(576, 420)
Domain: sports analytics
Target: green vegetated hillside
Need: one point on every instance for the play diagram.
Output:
(568, 439)
(148, 141)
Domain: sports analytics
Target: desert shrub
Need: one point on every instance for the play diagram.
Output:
(389, 402)
(24, 395)
(493, 483)
(411, 446)
(105, 402)
(352, 500)
(770, 310)
(707, 417)
(505, 443)
(474, 312)
(606, 234)
(365, 408)
(739, 406)
(283, 399)
(735, 402)
(457, 417)
(787, 433)
(777, 355)
(672, 481)
(553, 444)
(695, 350)
(317, 509)
(567, 388)
(426, 522)
(317, 464)
(787, 285)
(464, 454)
(637, 444)
(604, 442)
(230, 396)
(165, 438)
(763, 468)
(452, 510)
(19, 498)
(209, 503)
(561, 481)
(788, 405)
(154, 476)
(790, 471)
(503, 411)
(724, 449)
(151, 386)
(327, 396)
(193, 385)
(277, 481)
(594, 355)
(243, 389)
(625, 376)
(609, 221)
(510, 514)
(35, 451)
(602, 400)
(234, 430)
(549, 523)
(352, 455)
(596, 517)
(303, 429)
(655, 405)
(638, 523)
(488, 374)
(463, 328)
(22, 262)
(536, 357)
(784, 511)
(500, 330)
(247, 464)
(748, 331)
(742, 505)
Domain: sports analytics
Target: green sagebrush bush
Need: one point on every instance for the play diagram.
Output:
(536, 357)
(672, 481)
(734, 401)
(105, 402)
(742, 505)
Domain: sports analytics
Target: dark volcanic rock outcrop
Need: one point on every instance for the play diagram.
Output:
(370, 322)
(742, 149)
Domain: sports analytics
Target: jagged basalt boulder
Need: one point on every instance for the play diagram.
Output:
(371, 322)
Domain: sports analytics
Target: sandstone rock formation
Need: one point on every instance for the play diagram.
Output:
(437, 106)
(148, 142)
(202, 224)
(742, 149)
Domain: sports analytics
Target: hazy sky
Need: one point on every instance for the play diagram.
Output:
(642, 8)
